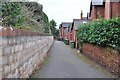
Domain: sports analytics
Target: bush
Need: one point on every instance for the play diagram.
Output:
(101, 32)
(12, 14)
(24, 27)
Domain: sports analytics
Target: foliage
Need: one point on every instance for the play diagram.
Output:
(57, 32)
(28, 16)
(11, 14)
(53, 26)
(46, 22)
(25, 27)
(38, 20)
(101, 32)
(82, 32)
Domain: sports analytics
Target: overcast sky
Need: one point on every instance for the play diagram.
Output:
(65, 10)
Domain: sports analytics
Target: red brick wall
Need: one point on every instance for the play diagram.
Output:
(65, 34)
(76, 43)
(73, 35)
(115, 9)
(97, 11)
(100, 12)
(69, 37)
(93, 13)
(62, 32)
(106, 57)
(105, 12)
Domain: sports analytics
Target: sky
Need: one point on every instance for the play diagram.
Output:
(65, 10)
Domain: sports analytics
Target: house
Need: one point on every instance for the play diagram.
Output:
(64, 28)
(104, 8)
(76, 23)
(112, 9)
(69, 33)
(60, 32)
(68, 30)
(97, 9)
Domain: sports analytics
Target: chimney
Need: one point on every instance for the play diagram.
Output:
(81, 14)
(88, 15)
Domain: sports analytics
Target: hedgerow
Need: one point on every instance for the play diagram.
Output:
(101, 32)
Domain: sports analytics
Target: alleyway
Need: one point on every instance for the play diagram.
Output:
(62, 63)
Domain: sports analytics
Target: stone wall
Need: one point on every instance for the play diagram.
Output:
(21, 52)
(105, 56)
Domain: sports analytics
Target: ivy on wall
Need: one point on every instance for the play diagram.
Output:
(101, 32)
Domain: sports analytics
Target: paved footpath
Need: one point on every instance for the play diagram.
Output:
(62, 63)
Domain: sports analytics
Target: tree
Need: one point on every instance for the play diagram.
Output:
(46, 23)
(53, 25)
(11, 13)
(54, 30)
(57, 32)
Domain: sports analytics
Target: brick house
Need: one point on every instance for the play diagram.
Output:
(97, 8)
(60, 31)
(64, 30)
(69, 33)
(76, 23)
(104, 8)
(112, 9)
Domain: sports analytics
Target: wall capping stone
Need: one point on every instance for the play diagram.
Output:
(20, 32)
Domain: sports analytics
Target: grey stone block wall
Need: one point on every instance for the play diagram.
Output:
(1, 69)
(21, 55)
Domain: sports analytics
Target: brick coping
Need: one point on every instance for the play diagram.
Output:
(20, 32)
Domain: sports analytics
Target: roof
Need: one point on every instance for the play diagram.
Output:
(78, 22)
(66, 24)
(97, 2)
(114, 0)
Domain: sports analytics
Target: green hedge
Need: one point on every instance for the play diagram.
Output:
(101, 32)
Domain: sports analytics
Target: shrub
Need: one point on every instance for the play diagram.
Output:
(101, 32)
(24, 27)
(12, 13)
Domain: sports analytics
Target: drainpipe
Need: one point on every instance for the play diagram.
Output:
(110, 9)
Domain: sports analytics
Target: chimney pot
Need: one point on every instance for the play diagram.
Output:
(81, 15)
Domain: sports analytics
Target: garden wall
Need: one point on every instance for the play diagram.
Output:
(107, 57)
(21, 52)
